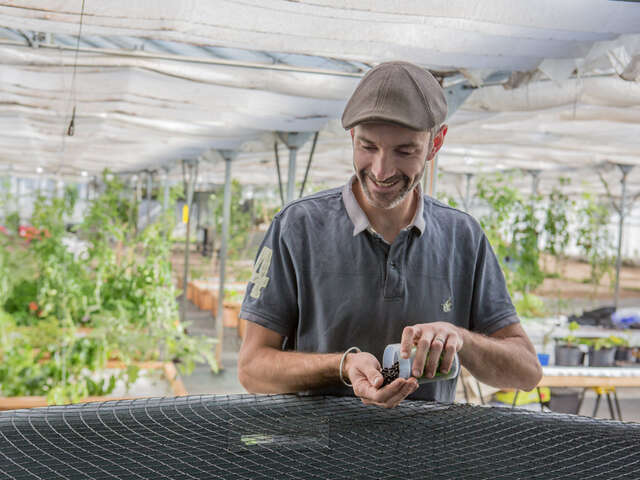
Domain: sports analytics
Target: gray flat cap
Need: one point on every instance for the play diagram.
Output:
(397, 92)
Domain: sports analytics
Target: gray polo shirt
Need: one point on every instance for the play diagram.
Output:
(326, 281)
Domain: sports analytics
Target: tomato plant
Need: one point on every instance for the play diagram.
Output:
(118, 285)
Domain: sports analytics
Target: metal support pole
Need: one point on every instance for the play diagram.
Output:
(306, 172)
(535, 183)
(198, 210)
(226, 218)
(59, 188)
(625, 169)
(137, 200)
(149, 186)
(165, 200)
(13, 189)
(139, 188)
(291, 181)
(467, 198)
(293, 141)
(189, 175)
(433, 173)
(19, 188)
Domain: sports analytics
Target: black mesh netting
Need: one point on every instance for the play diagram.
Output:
(246, 436)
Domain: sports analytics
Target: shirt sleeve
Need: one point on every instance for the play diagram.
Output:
(271, 296)
(491, 307)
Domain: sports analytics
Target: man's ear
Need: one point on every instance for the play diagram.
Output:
(438, 140)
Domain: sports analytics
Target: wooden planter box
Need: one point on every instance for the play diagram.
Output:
(230, 314)
(209, 301)
(168, 368)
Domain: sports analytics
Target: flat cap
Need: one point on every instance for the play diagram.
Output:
(397, 92)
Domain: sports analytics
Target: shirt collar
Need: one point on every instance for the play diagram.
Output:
(359, 218)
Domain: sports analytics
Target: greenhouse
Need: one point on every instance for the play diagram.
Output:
(207, 271)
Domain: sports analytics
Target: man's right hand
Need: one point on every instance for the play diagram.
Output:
(363, 371)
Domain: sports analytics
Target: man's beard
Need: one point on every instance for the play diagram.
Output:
(407, 187)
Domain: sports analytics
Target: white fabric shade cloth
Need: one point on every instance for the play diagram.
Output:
(148, 92)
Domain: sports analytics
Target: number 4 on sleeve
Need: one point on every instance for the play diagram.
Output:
(261, 268)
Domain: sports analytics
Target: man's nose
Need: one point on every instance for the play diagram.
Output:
(382, 166)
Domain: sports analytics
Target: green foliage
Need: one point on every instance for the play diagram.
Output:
(20, 296)
(512, 229)
(245, 215)
(120, 287)
(242, 273)
(13, 268)
(241, 219)
(601, 342)
(571, 340)
(12, 222)
(232, 295)
(619, 341)
(556, 222)
(50, 279)
(448, 199)
(594, 240)
(51, 360)
(530, 306)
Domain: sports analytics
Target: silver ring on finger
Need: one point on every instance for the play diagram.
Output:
(439, 339)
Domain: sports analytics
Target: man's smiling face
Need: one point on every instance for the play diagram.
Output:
(389, 161)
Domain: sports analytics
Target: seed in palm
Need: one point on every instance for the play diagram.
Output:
(390, 374)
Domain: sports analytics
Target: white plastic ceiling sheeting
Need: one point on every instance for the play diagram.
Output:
(130, 118)
(137, 111)
(443, 34)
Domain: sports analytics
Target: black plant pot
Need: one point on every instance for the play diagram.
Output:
(568, 356)
(605, 357)
(624, 354)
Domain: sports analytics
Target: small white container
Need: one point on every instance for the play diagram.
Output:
(392, 355)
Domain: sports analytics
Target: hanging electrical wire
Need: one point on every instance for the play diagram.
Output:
(71, 128)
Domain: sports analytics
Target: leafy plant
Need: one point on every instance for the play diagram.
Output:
(571, 340)
(530, 305)
(448, 199)
(600, 342)
(556, 223)
(512, 229)
(547, 337)
(51, 360)
(233, 296)
(241, 215)
(119, 285)
(245, 215)
(594, 240)
(619, 341)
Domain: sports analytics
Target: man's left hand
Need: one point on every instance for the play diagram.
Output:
(431, 339)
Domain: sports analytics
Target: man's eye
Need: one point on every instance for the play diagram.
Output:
(371, 148)
(401, 152)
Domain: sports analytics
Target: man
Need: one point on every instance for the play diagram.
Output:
(376, 262)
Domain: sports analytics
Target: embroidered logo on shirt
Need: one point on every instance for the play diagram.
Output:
(447, 306)
(261, 268)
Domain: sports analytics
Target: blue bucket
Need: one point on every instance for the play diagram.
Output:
(543, 358)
